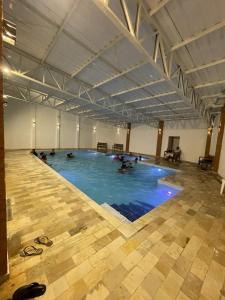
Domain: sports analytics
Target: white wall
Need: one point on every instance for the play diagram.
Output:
(69, 133)
(86, 133)
(221, 170)
(109, 134)
(143, 139)
(18, 118)
(20, 133)
(30, 125)
(192, 138)
(46, 131)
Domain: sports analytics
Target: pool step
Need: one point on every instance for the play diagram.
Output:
(115, 212)
(133, 211)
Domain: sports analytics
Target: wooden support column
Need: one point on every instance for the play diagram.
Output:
(208, 141)
(159, 140)
(3, 235)
(216, 160)
(128, 137)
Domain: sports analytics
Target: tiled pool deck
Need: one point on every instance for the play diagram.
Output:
(176, 251)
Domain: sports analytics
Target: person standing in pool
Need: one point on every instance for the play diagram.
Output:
(140, 158)
(52, 153)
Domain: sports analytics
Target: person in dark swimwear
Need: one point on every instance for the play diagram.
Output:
(123, 167)
(136, 160)
(33, 151)
(43, 157)
(122, 158)
(52, 153)
(140, 158)
(129, 165)
(70, 155)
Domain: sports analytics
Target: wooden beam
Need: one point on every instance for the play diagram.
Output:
(208, 141)
(219, 142)
(159, 140)
(128, 137)
(3, 219)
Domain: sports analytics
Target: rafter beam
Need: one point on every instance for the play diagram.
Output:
(161, 104)
(218, 95)
(107, 11)
(198, 35)
(127, 16)
(208, 84)
(205, 66)
(153, 11)
(138, 87)
(150, 97)
(128, 70)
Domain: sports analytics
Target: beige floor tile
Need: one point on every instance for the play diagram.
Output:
(134, 279)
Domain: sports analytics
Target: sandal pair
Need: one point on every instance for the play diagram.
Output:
(29, 291)
(32, 250)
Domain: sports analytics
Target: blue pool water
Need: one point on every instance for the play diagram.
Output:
(133, 194)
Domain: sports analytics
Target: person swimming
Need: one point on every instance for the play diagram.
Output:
(43, 157)
(123, 167)
(117, 157)
(70, 155)
(121, 158)
(52, 153)
(130, 166)
(136, 160)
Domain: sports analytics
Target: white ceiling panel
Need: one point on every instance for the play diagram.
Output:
(96, 72)
(67, 54)
(117, 85)
(54, 10)
(198, 14)
(159, 88)
(90, 26)
(123, 55)
(33, 32)
(144, 74)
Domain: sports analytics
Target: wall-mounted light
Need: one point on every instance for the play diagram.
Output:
(5, 103)
(94, 129)
(209, 130)
(159, 131)
(6, 70)
(78, 127)
(118, 130)
(5, 96)
(33, 123)
(58, 125)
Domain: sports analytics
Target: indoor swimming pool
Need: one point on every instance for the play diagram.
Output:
(133, 193)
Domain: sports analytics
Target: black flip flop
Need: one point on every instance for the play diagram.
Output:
(43, 240)
(29, 291)
(30, 251)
